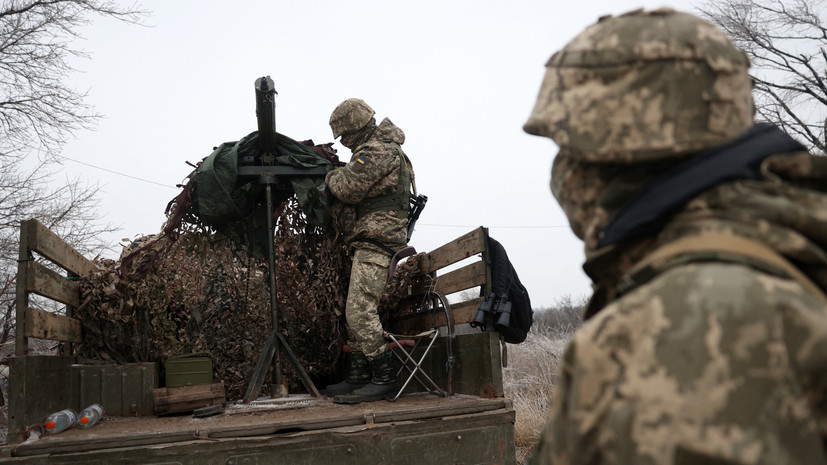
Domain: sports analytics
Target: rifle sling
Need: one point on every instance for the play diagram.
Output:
(653, 204)
(718, 247)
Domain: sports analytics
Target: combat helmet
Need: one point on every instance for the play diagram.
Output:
(644, 86)
(350, 116)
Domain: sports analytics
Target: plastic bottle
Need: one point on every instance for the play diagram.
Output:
(90, 415)
(61, 421)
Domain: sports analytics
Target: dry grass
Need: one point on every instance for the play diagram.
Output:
(532, 371)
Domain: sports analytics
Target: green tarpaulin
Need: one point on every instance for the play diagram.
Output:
(235, 206)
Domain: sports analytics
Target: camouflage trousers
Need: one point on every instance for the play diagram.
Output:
(368, 277)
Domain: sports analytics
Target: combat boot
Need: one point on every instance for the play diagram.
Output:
(383, 385)
(358, 376)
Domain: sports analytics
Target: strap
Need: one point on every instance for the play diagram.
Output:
(653, 204)
(406, 252)
(718, 247)
(410, 170)
(376, 243)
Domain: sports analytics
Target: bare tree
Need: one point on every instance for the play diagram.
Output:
(786, 41)
(38, 113)
(38, 110)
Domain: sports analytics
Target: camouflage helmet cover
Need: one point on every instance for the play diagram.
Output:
(350, 116)
(644, 86)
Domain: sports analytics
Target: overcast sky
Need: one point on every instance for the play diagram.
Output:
(459, 77)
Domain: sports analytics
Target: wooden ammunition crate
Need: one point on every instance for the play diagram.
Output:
(187, 398)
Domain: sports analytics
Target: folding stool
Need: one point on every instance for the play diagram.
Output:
(403, 348)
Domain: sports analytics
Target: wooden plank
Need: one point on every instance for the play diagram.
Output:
(464, 312)
(47, 325)
(461, 248)
(21, 344)
(187, 398)
(188, 406)
(467, 277)
(43, 281)
(186, 393)
(48, 244)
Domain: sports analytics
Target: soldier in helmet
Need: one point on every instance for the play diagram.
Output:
(374, 193)
(706, 239)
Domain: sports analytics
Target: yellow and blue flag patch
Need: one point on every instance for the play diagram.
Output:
(361, 160)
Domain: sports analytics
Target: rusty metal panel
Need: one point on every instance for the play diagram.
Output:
(470, 445)
(486, 437)
(344, 453)
(477, 365)
(122, 390)
(38, 386)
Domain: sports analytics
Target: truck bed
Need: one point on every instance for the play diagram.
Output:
(475, 425)
(418, 428)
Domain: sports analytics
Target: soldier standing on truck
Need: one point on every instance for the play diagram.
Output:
(374, 194)
(706, 239)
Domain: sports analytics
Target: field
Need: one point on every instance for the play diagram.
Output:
(532, 369)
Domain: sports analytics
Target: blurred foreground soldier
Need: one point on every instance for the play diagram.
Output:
(374, 191)
(706, 238)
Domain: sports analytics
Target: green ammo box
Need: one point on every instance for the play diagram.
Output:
(188, 370)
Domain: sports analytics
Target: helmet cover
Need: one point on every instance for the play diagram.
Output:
(644, 86)
(350, 116)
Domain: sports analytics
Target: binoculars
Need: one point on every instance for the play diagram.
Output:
(499, 306)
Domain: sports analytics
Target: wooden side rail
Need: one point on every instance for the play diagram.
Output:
(34, 278)
(474, 356)
(472, 275)
(41, 384)
(468, 245)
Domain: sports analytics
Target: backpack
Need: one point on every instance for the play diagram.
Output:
(509, 301)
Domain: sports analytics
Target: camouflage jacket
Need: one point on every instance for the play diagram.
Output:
(373, 170)
(708, 361)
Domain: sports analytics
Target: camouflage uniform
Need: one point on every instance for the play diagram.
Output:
(373, 170)
(704, 357)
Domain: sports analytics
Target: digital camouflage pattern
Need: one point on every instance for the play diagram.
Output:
(350, 116)
(709, 359)
(708, 363)
(368, 277)
(626, 67)
(373, 170)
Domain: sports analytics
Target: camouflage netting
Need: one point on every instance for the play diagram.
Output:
(201, 293)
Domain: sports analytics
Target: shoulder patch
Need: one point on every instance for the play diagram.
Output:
(361, 160)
